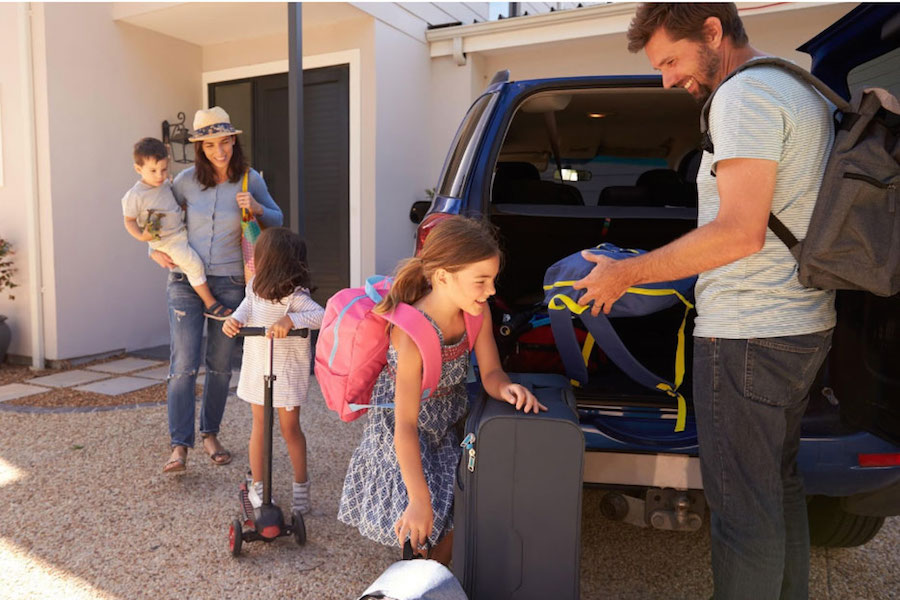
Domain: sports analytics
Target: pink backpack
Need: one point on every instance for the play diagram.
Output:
(353, 343)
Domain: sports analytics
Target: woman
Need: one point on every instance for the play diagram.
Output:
(211, 193)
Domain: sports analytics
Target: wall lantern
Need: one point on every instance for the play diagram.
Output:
(175, 137)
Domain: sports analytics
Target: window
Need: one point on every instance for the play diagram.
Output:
(458, 166)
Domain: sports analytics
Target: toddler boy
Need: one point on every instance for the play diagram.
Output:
(153, 215)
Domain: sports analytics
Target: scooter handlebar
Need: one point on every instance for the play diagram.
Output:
(252, 331)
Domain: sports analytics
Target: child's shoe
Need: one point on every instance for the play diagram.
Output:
(255, 494)
(300, 499)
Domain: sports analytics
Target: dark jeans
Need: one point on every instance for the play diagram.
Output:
(749, 398)
(186, 323)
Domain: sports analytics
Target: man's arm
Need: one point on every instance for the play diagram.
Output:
(746, 187)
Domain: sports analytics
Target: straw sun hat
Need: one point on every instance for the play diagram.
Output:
(212, 123)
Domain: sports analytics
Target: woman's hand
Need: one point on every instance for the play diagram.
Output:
(521, 398)
(246, 201)
(416, 523)
(162, 259)
(280, 328)
(231, 327)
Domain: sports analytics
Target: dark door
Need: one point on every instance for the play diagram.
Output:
(259, 107)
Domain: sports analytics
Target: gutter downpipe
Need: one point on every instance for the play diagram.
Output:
(36, 284)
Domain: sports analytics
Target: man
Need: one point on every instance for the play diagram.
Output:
(760, 336)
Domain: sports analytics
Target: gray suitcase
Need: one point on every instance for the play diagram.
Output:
(517, 514)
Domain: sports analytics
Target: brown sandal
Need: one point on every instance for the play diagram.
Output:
(176, 465)
(220, 457)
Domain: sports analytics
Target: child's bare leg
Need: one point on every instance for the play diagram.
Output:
(295, 441)
(443, 552)
(257, 439)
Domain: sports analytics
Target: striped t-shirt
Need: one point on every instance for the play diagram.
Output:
(766, 113)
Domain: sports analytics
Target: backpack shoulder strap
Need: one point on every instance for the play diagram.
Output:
(416, 326)
(772, 61)
(473, 327)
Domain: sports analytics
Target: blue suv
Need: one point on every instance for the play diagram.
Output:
(558, 165)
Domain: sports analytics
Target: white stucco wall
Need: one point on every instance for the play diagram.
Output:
(101, 97)
(13, 208)
(402, 141)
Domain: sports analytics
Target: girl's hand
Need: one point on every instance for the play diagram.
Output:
(416, 523)
(231, 327)
(162, 259)
(520, 397)
(247, 201)
(280, 328)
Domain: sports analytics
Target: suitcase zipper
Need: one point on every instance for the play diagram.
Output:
(469, 444)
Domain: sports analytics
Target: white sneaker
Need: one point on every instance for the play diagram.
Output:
(300, 500)
(255, 494)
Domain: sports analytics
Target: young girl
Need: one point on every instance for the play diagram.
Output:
(277, 298)
(401, 477)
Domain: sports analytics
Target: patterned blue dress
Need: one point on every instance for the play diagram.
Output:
(374, 494)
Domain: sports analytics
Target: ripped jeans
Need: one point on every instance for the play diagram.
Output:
(186, 323)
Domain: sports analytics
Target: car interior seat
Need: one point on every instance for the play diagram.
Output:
(521, 183)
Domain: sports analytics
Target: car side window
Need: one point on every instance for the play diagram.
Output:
(456, 170)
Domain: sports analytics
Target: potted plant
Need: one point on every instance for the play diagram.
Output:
(6, 283)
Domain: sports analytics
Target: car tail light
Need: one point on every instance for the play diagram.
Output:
(891, 459)
(426, 226)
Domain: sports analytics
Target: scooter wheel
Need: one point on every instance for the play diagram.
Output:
(299, 528)
(235, 537)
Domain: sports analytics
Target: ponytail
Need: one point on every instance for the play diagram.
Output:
(410, 285)
(454, 243)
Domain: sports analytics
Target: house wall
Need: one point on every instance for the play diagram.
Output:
(103, 293)
(402, 141)
(13, 190)
(777, 33)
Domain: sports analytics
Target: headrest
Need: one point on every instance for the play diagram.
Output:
(510, 171)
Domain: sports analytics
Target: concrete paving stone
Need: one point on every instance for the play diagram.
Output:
(68, 378)
(117, 385)
(162, 373)
(12, 391)
(125, 365)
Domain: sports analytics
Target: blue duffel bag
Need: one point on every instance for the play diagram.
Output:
(562, 303)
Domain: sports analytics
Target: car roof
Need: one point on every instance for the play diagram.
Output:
(866, 32)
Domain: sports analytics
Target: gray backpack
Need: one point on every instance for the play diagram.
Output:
(853, 240)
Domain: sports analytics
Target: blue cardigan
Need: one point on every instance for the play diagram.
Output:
(214, 219)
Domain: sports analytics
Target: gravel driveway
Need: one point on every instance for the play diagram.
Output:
(86, 513)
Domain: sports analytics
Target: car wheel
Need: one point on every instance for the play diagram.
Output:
(831, 526)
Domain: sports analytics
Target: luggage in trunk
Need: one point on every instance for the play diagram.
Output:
(517, 509)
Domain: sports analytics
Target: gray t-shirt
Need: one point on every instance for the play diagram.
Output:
(142, 201)
(766, 113)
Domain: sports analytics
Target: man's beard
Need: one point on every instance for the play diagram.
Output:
(709, 68)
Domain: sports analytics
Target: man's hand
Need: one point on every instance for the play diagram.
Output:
(162, 259)
(605, 284)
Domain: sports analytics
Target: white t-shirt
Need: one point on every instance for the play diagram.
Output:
(766, 113)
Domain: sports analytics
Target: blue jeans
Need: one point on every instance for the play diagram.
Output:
(749, 398)
(186, 323)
